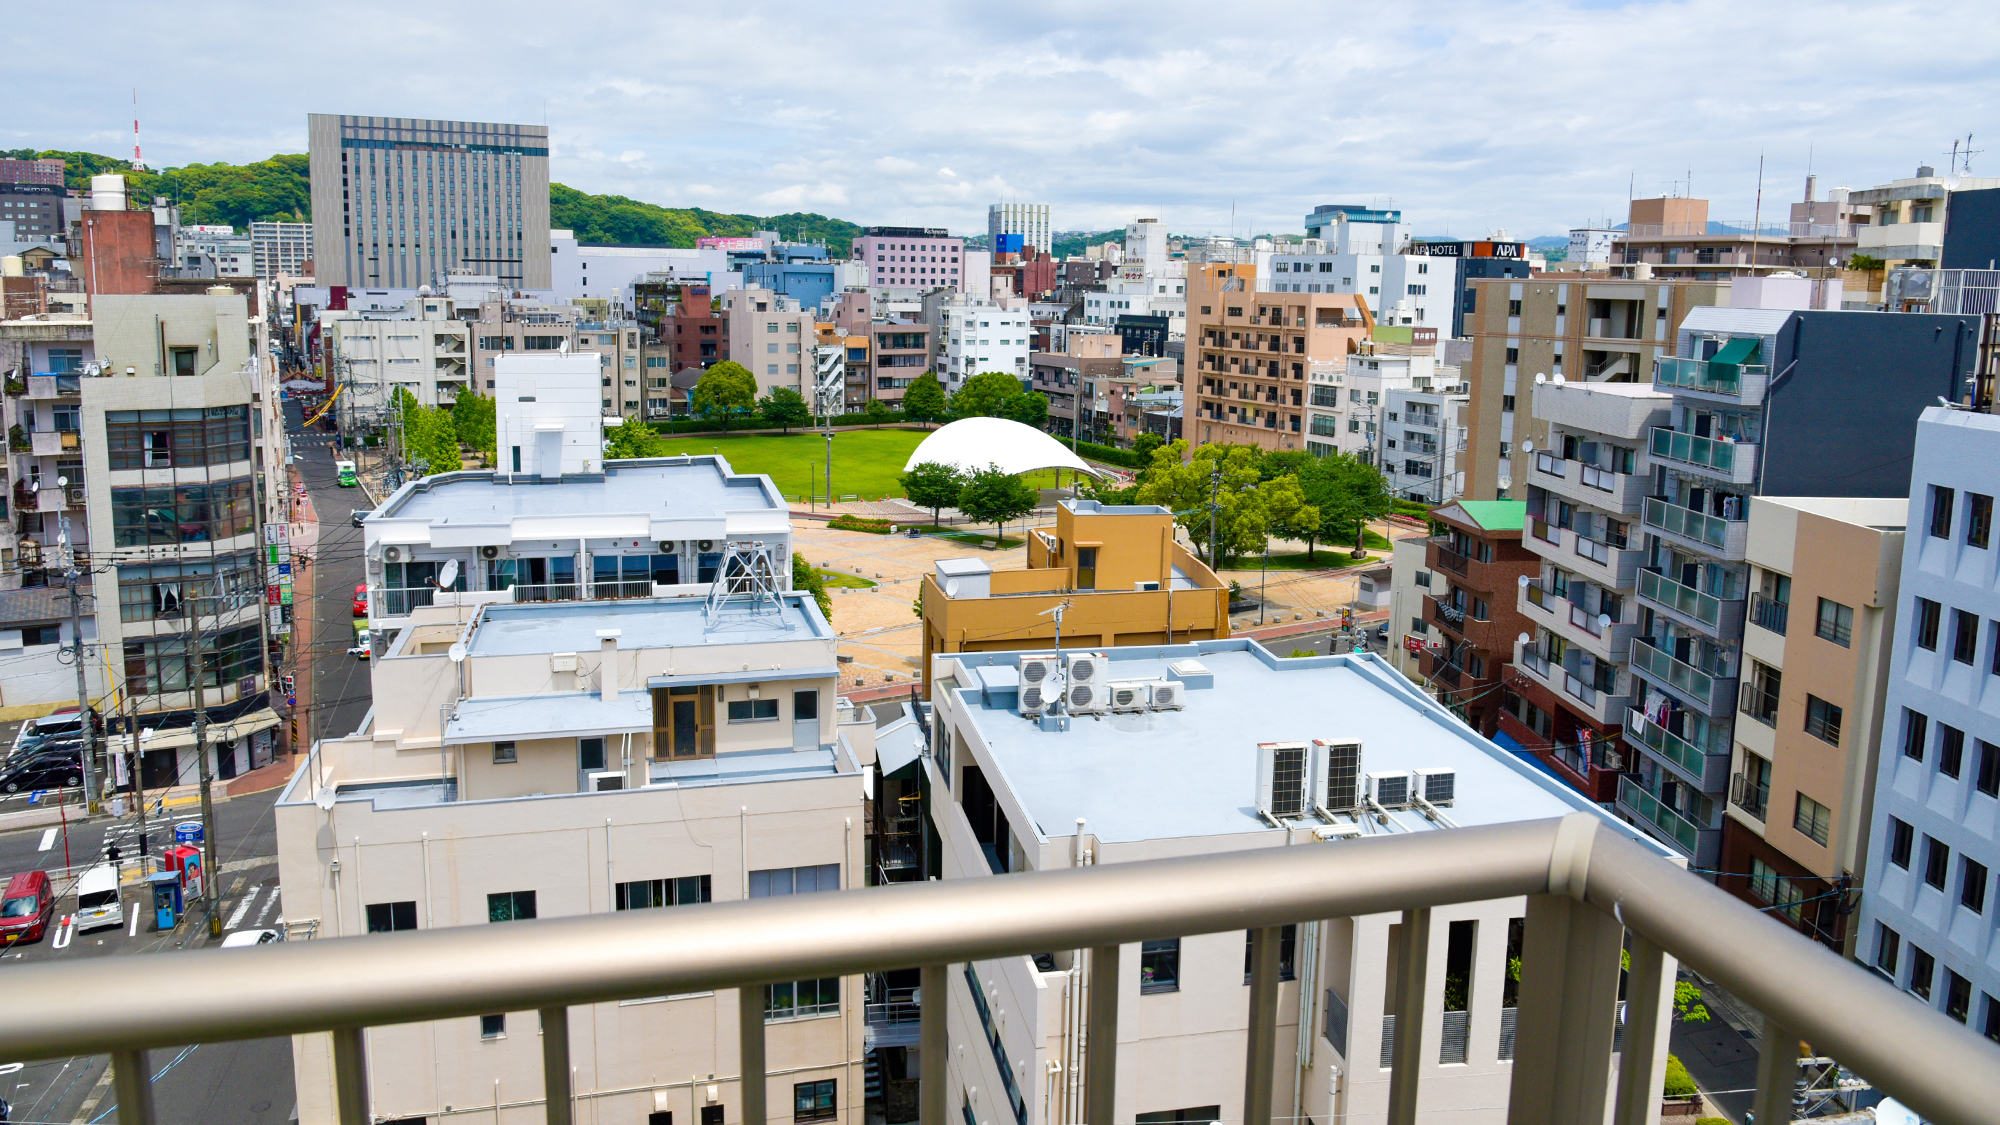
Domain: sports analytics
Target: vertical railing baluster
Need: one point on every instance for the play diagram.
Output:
(750, 1046)
(1260, 1057)
(1100, 1063)
(1777, 1074)
(555, 1065)
(350, 1075)
(933, 1045)
(1413, 959)
(1649, 989)
(1568, 1013)
(132, 1084)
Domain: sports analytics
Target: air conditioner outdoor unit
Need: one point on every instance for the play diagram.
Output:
(1166, 695)
(392, 554)
(706, 544)
(1389, 790)
(1085, 667)
(1086, 698)
(489, 552)
(1281, 779)
(1437, 786)
(1146, 587)
(666, 548)
(1336, 778)
(1039, 682)
(1130, 695)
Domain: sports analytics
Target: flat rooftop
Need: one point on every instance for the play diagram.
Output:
(1193, 772)
(660, 487)
(530, 629)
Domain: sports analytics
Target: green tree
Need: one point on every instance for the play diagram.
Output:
(1029, 408)
(430, 441)
(472, 416)
(878, 412)
(985, 395)
(933, 485)
(631, 438)
(1348, 492)
(785, 407)
(992, 496)
(806, 577)
(725, 389)
(923, 399)
(1146, 443)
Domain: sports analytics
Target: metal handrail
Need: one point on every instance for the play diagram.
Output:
(1588, 884)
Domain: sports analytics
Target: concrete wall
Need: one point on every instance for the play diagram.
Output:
(547, 406)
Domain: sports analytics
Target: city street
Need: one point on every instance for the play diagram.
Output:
(339, 692)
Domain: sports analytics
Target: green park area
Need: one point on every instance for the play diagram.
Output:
(866, 463)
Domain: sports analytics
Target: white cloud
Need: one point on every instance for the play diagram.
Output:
(1531, 115)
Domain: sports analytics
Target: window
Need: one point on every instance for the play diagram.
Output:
(1964, 636)
(34, 635)
(1922, 968)
(1957, 996)
(1978, 520)
(1916, 730)
(797, 999)
(181, 513)
(1887, 944)
(1836, 622)
(493, 1027)
(1941, 499)
(1988, 778)
(1288, 943)
(504, 753)
(1513, 308)
(753, 710)
(794, 880)
(164, 664)
(1811, 819)
(1822, 720)
(1972, 885)
(814, 1101)
(510, 906)
(185, 438)
(1928, 613)
(1901, 836)
(165, 590)
(1937, 862)
(1513, 355)
(645, 894)
(388, 917)
(1951, 749)
(1205, 1115)
(1160, 966)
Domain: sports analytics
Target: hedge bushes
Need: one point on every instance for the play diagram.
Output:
(859, 523)
(756, 422)
(1110, 455)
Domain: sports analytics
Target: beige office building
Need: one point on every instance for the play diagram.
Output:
(1250, 354)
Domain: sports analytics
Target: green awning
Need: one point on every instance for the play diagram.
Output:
(1738, 351)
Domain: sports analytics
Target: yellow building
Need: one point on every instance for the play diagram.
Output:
(1126, 580)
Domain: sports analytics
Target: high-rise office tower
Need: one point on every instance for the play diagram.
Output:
(397, 201)
(1029, 220)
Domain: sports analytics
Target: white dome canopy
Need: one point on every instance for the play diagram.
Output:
(970, 444)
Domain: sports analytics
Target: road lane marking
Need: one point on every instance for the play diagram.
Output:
(242, 908)
(64, 932)
(133, 929)
(48, 840)
(268, 904)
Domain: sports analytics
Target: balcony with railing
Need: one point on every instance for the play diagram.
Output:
(1752, 797)
(1596, 901)
(1579, 695)
(1713, 695)
(1589, 485)
(1698, 531)
(1701, 844)
(1702, 769)
(1767, 614)
(1718, 617)
(1737, 382)
(1730, 461)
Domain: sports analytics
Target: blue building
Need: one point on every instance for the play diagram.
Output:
(805, 281)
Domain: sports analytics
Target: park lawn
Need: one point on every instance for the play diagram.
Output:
(846, 581)
(866, 463)
(975, 539)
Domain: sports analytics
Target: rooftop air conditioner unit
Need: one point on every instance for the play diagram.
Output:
(1085, 668)
(1166, 695)
(1086, 698)
(1389, 790)
(1039, 682)
(1130, 695)
(489, 552)
(666, 547)
(1436, 786)
(1336, 778)
(1281, 780)
(392, 554)
(706, 545)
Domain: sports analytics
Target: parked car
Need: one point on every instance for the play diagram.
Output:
(360, 648)
(361, 599)
(65, 721)
(27, 907)
(60, 770)
(243, 938)
(97, 901)
(359, 514)
(45, 744)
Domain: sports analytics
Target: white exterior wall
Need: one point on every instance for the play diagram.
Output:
(1408, 584)
(1029, 220)
(981, 336)
(773, 337)
(426, 351)
(612, 271)
(1428, 428)
(546, 410)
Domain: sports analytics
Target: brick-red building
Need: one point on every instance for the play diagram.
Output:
(117, 254)
(1032, 273)
(699, 336)
(1476, 563)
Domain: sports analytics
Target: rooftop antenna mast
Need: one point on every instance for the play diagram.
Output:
(137, 163)
(1061, 682)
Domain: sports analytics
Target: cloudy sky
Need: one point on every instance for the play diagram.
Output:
(1525, 115)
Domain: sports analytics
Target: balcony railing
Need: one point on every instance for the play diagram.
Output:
(1732, 461)
(1684, 600)
(1767, 614)
(1685, 833)
(1689, 680)
(1692, 759)
(1587, 887)
(1451, 560)
(1760, 701)
(1749, 796)
(1706, 375)
(1712, 531)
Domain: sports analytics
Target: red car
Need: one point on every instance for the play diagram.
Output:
(27, 908)
(361, 599)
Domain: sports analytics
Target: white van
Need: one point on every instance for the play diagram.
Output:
(97, 902)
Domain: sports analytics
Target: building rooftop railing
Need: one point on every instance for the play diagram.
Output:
(1587, 885)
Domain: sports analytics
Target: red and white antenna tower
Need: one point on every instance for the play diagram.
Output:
(136, 162)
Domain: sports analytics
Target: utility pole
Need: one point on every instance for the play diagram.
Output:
(211, 878)
(88, 727)
(1214, 507)
(135, 762)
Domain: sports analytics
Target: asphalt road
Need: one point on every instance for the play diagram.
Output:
(340, 682)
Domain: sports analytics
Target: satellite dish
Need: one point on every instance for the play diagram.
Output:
(62, 482)
(1604, 621)
(448, 575)
(456, 652)
(1541, 376)
(1523, 580)
(1527, 447)
(324, 799)
(1523, 640)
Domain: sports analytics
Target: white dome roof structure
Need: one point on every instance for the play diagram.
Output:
(970, 444)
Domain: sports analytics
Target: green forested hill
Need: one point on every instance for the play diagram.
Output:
(277, 188)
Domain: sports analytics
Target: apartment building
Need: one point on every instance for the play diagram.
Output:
(213, 250)
(32, 197)
(922, 258)
(1933, 842)
(400, 201)
(1802, 775)
(506, 326)
(1910, 216)
(1345, 402)
(1077, 382)
(1409, 580)
(1762, 407)
(1252, 350)
(590, 757)
(1423, 446)
(772, 336)
(1118, 567)
(1477, 563)
(281, 249)
(1369, 252)
(1027, 221)
(1673, 237)
(1572, 681)
(1582, 327)
(423, 347)
(898, 353)
(1222, 746)
(973, 337)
